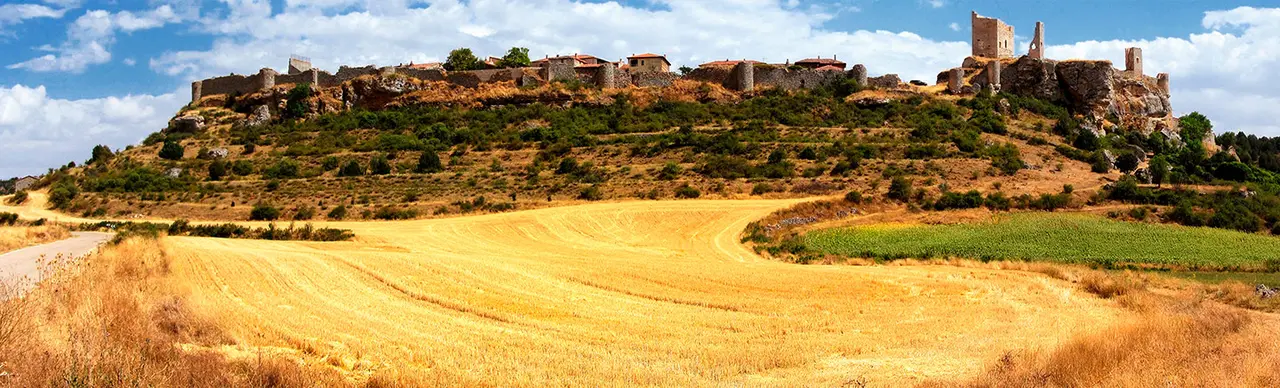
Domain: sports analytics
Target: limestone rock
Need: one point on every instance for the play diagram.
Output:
(261, 116)
(173, 172)
(1110, 158)
(1088, 85)
(217, 153)
(1028, 77)
(192, 123)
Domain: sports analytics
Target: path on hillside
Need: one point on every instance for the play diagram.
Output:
(632, 293)
(22, 267)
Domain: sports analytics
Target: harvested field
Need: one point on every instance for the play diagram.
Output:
(638, 293)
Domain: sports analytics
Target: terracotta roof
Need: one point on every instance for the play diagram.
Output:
(824, 61)
(830, 68)
(649, 56)
(730, 62)
(424, 66)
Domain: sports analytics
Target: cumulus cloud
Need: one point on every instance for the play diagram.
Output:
(39, 132)
(339, 32)
(12, 14)
(91, 35)
(955, 26)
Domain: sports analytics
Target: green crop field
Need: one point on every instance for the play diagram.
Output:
(1057, 237)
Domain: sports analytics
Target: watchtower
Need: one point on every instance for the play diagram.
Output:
(991, 37)
(298, 64)
(1133, 60)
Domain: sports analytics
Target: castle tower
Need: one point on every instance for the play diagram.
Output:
(1037, 43)
(1162, 83)
(955, 80)
(993, 75)
(991, 37)
(298, 65)
(1133, 60)
(859, 74)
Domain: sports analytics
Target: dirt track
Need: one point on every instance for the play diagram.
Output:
(650, 293)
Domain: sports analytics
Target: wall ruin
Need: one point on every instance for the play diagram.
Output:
(887, 81)
(298, 65)
(1162, 83)
(859, 74)
(955, 80)
(1037, 43)
(743, 77)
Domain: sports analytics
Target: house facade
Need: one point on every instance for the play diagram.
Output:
(649, 62)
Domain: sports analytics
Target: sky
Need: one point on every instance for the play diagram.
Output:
(76, 73)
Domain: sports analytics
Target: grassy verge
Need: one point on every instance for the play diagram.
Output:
(1064, 238)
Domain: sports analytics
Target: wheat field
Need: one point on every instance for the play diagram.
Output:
(637, 293)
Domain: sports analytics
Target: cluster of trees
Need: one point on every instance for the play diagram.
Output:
(463, 59)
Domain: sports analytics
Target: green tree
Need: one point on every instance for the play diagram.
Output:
(62, 192)
(217, 170)
(296, 106)
(900, 189)
(428, 162)
(461, 59)
(264, 212)
(352, 168)
(379, 165)
(1127, 162)
(516, 57)
(283, 169)
(171, 150)
(685, 70)
(1159, 167)
(101, 153)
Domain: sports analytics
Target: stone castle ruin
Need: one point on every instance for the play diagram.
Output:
(991, 37)
(1105, 96)
(735, 75)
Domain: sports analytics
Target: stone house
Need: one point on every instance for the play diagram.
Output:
(820, 62)
(24, 183)
(574, 60)
(991, 37)
(649, 62)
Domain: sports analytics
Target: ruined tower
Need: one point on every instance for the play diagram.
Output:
(991, 37)
(955, 80)
(1162, 83)
(1133, 60)
(859, 74)
(298, 65)
(993, 76)
(1037, 43)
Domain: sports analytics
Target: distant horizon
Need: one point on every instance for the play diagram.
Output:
(87, 73)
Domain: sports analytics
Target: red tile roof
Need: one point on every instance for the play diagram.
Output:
(424, 66)
(650, 56)
(830, 68)
(730, 62)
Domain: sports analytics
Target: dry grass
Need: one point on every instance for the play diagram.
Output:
(16, 237)
(115, 320)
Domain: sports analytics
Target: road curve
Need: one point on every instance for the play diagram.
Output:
(23, 264)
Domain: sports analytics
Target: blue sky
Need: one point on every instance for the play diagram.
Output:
(77, 73)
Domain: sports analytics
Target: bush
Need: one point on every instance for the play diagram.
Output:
(352, 168)
(8, 219)
(329, 163)
(18, 198)
(304, 213)
(62, 192)
(761, 188)
(854, 197)
(338, 212)
(591, 193)
(379, 165)
(428, 162)
(217, 170)
(390, 213)
(1006, 158)
(900, 189)
(997, 201)
(296, 101)
(283, 169)
(669, 171)
(171, 150)
(953, 200)
(264, 212)
(687, 192)
(242, 167)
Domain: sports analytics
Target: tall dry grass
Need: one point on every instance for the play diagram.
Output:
(112, 320)
(24, 236)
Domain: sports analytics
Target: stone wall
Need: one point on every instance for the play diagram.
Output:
(887, 81)
(788, 79)
(742, 78)
(346, 73)
(711, 74)
(233, 84)
(558, 71)
(311, 76)
(653, 79)
(423, 74)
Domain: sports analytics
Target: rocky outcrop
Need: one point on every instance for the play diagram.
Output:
(1036, 78)
(261, 115)
(192, 123)
(1087, 85)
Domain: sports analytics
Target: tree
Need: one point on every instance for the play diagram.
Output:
(900, 189)
(101, 153)
(379, 165)
(217, 170)
(264, 212)
(461, 59)
(351, 169)
(516, 57)
(685, 70)
(1127, 162)
(62, 192)
(296, 105)
(171, 150)
(428, 163)
(1159, 167)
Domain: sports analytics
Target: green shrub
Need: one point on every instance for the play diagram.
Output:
(337, 213)
(428, 162)
(390, 213)
(171, 150)
(304, 213)
(329, 163)
(62, 192)
(352, 168)
(669, 171)
(283, 169)
(687, 192)
(997, 201)
(264, 212)
(953, 200)
(217, 170)
(1005, 158)
(379, 165)
(18, 198)
(900, 189)
(8, 219)
(591, 193)
(854, 197)
(296, 101)
(242, 167)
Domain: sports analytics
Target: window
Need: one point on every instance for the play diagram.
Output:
(633, 62)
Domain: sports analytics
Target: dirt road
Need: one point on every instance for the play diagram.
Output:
(636, 293)
(22, 266)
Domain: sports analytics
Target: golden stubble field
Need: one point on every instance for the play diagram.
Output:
(633, 293)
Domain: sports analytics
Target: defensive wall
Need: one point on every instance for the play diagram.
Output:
(744, 76)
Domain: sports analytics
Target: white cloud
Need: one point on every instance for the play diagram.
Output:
(39, 132)
(129, 62)
(11, 14)
(91, 35)
(936, 3)
(955, 26)
(338, 32)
